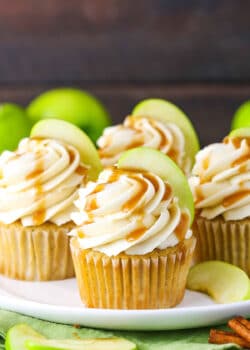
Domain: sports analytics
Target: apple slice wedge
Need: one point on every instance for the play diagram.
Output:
(88, 344)
(151, 160)
(241, 117)
(240, 133)
(18, 335)
(167, 112)
(70, 134)
(224, 282)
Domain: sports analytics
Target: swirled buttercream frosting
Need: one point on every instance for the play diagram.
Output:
(221, 180)
(131, 212)
(39, 182)
(149, 132)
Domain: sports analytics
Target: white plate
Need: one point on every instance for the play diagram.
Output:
(59, 302)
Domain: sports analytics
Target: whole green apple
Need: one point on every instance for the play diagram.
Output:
(73, 105)
(14, 125)
(241, 117)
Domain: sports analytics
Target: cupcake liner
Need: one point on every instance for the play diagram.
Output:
(228, 241)
(151, 281)
(36, 253)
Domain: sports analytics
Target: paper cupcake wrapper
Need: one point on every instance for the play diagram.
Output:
(39, 253)
(228, 241)
(155, 280)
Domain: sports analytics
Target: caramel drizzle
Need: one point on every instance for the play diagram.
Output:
(173, 154)
(199, 195)
(80, 234)
(136, 234)
(91, 203)
(134, 199)
(234, 198)
(40, 214)
(164, 141)
(182, 227)
(240, 160)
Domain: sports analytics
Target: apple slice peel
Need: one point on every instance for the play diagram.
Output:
(224, 282)
(166, 112)
(70, 134)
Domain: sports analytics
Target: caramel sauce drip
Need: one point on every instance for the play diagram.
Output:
(80, 234)
(182, 227)
(173, 154)
(240, 160)
(37, 138)
(40, 214)
(91, 204)
(199, 195)
(81, 170)
(242, 168)
(236, 141)
(154, 182)
(234, 198)
(71, 155)
(205, 163)
(98, 188)
(168, 192)
(164, 141)
(131, 203)
(136, 234)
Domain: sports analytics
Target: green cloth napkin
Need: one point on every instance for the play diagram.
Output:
(192, 339)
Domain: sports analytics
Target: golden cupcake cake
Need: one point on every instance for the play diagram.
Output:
(157, 124)
(38, 185)
(221, 187)
(132, 245)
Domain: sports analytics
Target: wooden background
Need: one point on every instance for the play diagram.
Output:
(195, 53)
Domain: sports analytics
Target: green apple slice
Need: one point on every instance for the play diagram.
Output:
(241, 117)
(241, 133)
(148, 159)
(88, 344)
(167, 112)
(73, 105)
(71, 134)
(18, 335)
(224, 282)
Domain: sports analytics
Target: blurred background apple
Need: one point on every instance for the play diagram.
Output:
(14, 125)
(73, 105)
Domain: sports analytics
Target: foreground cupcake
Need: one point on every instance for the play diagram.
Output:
(38, 185)
(221, 188)
(132, 247)
(154, 123)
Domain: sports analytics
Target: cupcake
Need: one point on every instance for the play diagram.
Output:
(221, 187)
(159, 125)
(38, 185)
(132, 245)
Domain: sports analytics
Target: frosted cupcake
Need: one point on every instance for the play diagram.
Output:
(221, 189)
(38, 185)
(157, 124)
(132, 246)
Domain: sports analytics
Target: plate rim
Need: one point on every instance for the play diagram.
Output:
(87, 316)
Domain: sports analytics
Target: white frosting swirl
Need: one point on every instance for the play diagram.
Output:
(39, 182)
(221, 180)
(129, 212)
(149, 132)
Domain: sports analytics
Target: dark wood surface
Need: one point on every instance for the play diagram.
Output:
(209, 106)
(195, 53)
